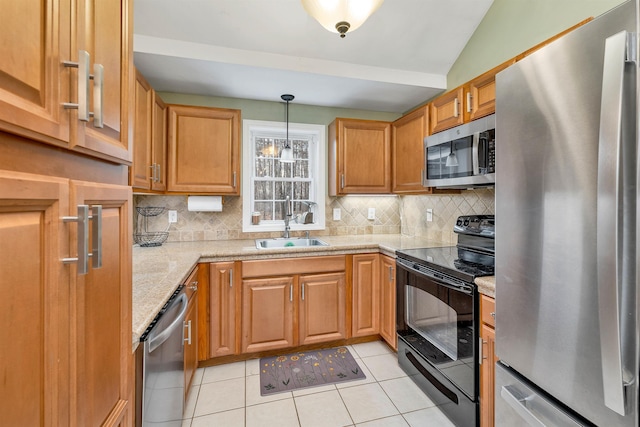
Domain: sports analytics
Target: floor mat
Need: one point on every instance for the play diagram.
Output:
(307, 369)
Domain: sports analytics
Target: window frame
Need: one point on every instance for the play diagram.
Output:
(317, 166)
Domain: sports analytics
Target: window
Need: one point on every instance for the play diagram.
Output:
(267, 182)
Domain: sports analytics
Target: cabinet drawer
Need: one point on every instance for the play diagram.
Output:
(488, 310)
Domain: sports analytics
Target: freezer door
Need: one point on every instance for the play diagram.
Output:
(548, 112)
(522, 405)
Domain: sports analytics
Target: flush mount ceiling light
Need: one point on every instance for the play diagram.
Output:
(340, 16)
(286, 156)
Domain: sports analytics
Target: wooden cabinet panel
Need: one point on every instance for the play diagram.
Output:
(481, 93)
(222, 339)
(142, 168)
(267, 314)
(446, 111)
(366, 295)
(105, 31)
(407, 151)
(159, 144)
(34, 310)
(359, 157)
(388, 300)
(489, 359)
(322, 308)
(101, 313)
(33, 85)
(203, 150)
(190, 344)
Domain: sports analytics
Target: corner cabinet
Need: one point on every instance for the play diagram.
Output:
(359, 157)
(70, 358)
(407, 151)
(388, 300)
(35, 84)
(488, 362)
(203, 150)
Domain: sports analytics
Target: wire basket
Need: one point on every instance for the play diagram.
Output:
(150, 210)
(149, 239)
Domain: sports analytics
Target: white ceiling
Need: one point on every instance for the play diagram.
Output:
(260, 49)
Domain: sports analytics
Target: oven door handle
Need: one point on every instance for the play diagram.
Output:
(441, 279)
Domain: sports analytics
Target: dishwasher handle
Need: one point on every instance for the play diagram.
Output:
(162, 336)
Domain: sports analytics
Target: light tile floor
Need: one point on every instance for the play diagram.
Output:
(229, 396)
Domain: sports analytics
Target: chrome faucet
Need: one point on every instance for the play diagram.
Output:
(287, 217)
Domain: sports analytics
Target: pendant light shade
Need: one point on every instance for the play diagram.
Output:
(340, 16)
(286, 155)
(452, 159)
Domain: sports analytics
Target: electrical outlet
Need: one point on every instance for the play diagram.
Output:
(429, 215)
(371, 213)
(337, 214)
(173, 217)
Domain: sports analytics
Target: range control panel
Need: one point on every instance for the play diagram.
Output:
(476, 225)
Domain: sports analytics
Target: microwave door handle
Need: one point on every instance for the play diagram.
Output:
(474, 153)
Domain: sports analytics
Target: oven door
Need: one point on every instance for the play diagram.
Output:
(437, 316)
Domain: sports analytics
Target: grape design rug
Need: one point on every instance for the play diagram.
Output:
(307, 369)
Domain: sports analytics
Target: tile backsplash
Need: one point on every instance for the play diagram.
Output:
(394, 214)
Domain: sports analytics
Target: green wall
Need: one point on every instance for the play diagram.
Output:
(510, 27)
(275, 110)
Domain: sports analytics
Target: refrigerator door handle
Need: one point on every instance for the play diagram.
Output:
(610, 221)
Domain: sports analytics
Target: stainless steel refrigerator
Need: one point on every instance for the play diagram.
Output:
(566, 236)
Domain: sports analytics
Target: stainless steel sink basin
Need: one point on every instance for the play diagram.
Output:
(286, 243)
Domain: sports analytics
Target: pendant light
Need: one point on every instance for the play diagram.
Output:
(286, 155)
(340, 16)
(452, 159)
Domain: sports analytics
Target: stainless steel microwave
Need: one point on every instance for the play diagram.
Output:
(462, 157)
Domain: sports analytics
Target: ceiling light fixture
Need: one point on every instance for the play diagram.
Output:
(286, 156)
(340, 16)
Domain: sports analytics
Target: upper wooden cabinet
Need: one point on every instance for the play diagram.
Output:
(359, 157)
(407, 151)
(34, 85)
(203, 150)
(446, 111)
(481, 93)
(148, 170)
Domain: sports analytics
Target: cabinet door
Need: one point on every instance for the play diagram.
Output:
(487, 377)
(388, 300)
(407, 151)
(101, 311)
(190, 344)
(481, 93)
(34, 309)
(104, 30)
(363, 150)
(366, 295)
(447, 111)
(159, 143)
(203, 150)
(322, 308)
(267, 314)
(33, 86)
(223, 309)
(142, 170)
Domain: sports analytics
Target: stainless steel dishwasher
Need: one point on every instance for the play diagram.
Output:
(163, 365)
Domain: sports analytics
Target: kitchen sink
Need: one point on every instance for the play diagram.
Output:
(288, 243)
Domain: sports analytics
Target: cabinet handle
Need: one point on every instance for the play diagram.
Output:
(456, 107)
(98, 95)
(469, 98)
(303, 292)
(159, 172)
(390, 274)
(194, 285)
(493, 314)
(83, 239)
(153, 172)
(188, 338)
(83, 86)
(234, 179)
(480, 357)
(96, 230)
(231, 278)
(341, 180)
(291, 292)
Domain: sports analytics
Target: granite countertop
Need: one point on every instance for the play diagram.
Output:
(158, 271)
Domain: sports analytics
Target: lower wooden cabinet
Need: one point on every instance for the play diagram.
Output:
(223, 323)
(388, 300)
(191, 332)
(267, 314)
(322, 308)
(366, 295)
(489, 359)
